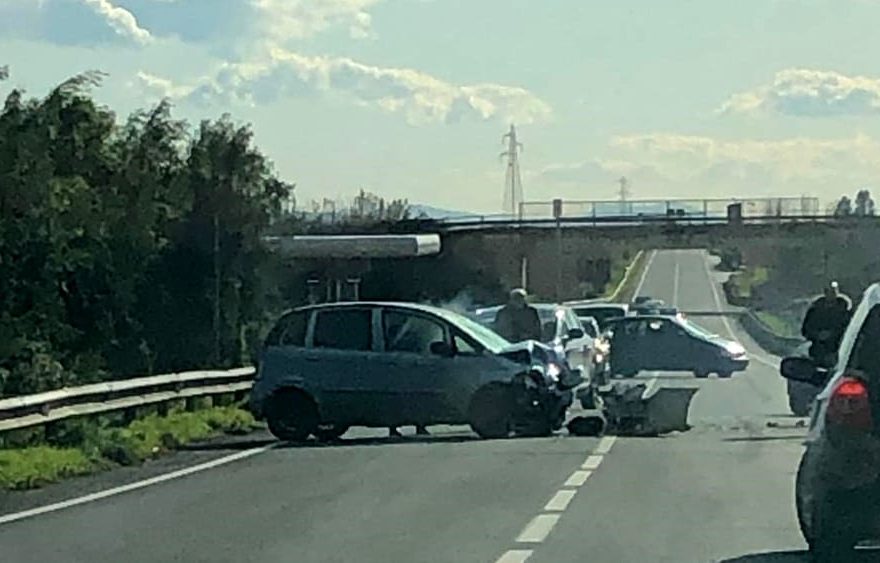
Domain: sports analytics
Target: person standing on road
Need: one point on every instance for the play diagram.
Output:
(518, 321)
(826, 321)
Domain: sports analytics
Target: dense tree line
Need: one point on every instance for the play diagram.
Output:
(128, 248)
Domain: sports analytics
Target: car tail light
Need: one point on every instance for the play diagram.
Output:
(849, 405)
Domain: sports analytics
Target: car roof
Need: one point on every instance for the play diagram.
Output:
(419, 307)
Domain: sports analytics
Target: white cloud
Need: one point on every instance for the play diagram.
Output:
(283, 20)
(120, 20)
(814, 93)
(668, 165)
(420, 97)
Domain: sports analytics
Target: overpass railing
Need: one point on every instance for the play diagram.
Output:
(692, 208)
(41, 408)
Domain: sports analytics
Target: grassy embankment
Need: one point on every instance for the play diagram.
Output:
(625, 278)
(783, 322)
(33, 457)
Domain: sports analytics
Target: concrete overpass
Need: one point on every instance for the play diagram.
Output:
(566, 255)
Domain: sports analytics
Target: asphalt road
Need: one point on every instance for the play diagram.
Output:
(720, 492)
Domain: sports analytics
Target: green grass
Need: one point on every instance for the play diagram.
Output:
(32, 467)
(779, 325)
(744, 282)
(86, 446)
(629, 287)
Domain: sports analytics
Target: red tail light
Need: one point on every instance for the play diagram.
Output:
(850, 406)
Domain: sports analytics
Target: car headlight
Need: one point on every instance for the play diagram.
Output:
(734, 349)
(554, 371)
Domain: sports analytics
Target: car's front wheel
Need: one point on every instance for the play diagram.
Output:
(725, 374)
(292, 415)
(491, 411)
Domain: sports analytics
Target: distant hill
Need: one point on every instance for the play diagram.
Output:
(418, 210)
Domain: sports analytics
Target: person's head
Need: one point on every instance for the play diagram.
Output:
(518, 298)
(832, 290)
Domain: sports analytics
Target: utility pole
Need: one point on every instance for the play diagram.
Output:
(513, 190)
(216, 288)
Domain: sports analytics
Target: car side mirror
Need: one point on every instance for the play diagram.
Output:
(803, 370)
(575, 333)
(441, 348)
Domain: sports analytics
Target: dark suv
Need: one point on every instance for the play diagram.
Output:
(838, 481)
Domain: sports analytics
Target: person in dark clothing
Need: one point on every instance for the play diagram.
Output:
(825, 323)
(518, 321)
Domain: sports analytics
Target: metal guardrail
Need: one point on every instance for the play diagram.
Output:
(51, 406)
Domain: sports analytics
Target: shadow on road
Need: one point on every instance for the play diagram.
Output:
(764, 438)
(381, 441)
(228, 445)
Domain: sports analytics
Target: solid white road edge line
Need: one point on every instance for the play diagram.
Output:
(15, 516)
(538, 529)
(645, 273)
(717, 298)
(515, 556)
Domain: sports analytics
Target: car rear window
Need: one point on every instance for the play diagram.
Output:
(346, 329)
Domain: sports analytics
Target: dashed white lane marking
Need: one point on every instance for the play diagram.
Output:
(605, 445)
(675, 282)
(538, 529)
(7, 518)
(560, 500)
(592, 462)
(515, 556)
(578, 478)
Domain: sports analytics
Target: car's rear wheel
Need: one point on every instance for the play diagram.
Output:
(725, 374)
(292, 415)
(822, 518)
(701, 373)
(491, 411)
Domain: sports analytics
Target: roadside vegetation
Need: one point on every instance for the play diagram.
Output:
(31, 459)
(626, 276)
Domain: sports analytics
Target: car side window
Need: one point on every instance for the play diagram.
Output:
(865, 355)
(463, 347)
(405, 332)
(344, 329)
(290, 330)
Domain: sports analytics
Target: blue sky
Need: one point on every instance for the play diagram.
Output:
(409, 98)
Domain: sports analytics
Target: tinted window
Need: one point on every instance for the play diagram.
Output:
(865, 356)
(405, 332)
(462, 346)
(289, 331)
(344, 329)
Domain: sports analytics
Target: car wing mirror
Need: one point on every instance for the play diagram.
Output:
(442, 349)
(803, 370)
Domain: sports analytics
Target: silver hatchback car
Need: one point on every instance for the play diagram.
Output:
(326, 368)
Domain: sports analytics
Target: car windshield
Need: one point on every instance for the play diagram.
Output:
(697, 330)
(493, 342)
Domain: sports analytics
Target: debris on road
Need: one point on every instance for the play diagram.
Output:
(630, 412)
